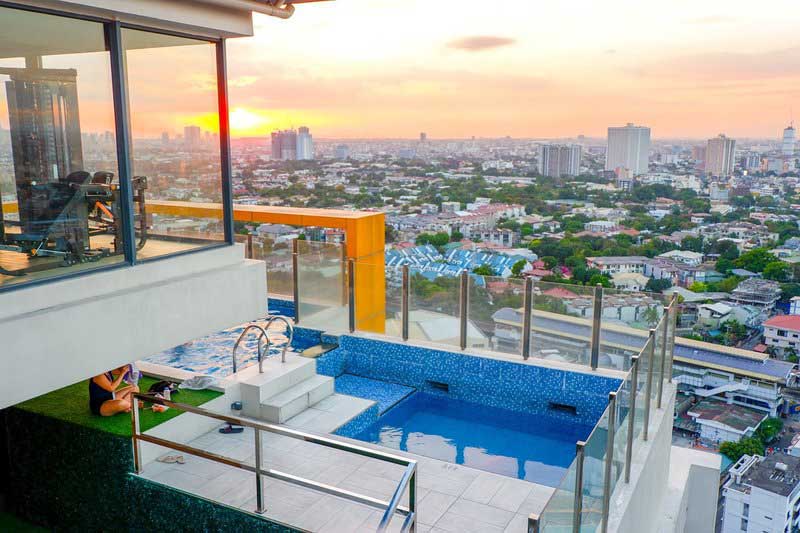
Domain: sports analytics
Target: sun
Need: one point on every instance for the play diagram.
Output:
(248, 122)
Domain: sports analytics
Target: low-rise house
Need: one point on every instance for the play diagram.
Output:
(720, 421)
(629, 281)
(757, 292)
(686, 257)
(782, 333)
(712, 316)
(611, 265)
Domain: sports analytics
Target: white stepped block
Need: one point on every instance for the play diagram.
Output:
(285, 405)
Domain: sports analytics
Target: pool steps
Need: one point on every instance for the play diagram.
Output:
(284, 389)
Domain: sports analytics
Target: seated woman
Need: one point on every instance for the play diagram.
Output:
(106, 397)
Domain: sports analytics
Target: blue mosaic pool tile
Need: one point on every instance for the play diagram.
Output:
(386, 394)
(506, 384)
(279, 306)
(358, 423)
(327, 338)
(332, 363)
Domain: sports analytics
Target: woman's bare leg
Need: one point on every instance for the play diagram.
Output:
(112, 407)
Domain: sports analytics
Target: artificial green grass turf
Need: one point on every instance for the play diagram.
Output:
(71, 404)
(9, 522)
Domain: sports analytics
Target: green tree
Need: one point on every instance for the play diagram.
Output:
(658, 285)
(438, 239)
(778, 271)
(516, 268)
(698, 286)
(769, 429)
(724, 265)
(456, 236)
(755, 260)
(600, 279)
(549, 261)
(483, 270)
(748, 445)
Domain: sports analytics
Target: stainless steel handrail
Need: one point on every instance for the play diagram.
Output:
(408, 480)
(289, 327)
(260, 354)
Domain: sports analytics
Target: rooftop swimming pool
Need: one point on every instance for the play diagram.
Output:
(533, 447)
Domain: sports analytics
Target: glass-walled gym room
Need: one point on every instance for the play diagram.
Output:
(110, 149)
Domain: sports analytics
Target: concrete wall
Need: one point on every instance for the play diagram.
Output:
(59, 333)
(633, 506)
(189, 16)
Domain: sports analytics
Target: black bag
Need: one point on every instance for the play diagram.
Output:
(160, 386)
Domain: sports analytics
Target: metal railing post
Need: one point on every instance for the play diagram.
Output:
(577, 510)
(631, 416)
(612, 422)
(260, 509)
(674, 323)
(463, 308)
(351, 294)
(412, 500)
(135, 428)
(344, 261)
(404, 301)
(662, 363)
(295, 277)
(527, 318)
(533, 523)
(598, 313)
(248, 251)
(649, 384)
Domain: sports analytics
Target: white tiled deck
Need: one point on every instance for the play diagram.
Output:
(450, 497)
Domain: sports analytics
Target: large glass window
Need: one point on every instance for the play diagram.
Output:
(174, 113)
(59, 209)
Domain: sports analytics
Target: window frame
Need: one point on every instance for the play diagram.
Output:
(112, 30)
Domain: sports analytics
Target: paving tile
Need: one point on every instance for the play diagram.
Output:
(481, 512)
(456, 523)
(511, 494)
(433, 505)
(179, 479)
(483, 488)
(518, 524)
(536, 500)
(350, 517)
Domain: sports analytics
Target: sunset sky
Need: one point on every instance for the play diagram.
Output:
(457, 68)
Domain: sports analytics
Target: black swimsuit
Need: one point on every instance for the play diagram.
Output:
(98, 395)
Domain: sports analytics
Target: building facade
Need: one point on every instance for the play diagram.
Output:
(628, 148)
(559, 160)
(720, 156)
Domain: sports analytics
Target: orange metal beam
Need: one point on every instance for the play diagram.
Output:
(364, 243)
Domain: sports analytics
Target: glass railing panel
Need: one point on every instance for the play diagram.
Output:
(386, 320)
(495, 314)
(625, 321)
(658, 355)
(641, 384)
(321, 286)
(558, 514)
(277, 257)
(623, 411)
(434, 308)
(594, 460)
(562, 322)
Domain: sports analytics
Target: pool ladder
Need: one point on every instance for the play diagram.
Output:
(265, 336)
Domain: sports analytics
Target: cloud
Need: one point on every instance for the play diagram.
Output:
(479, 43)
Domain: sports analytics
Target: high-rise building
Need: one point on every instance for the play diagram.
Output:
(284, 145)
(787, 148)
(342, 151)
(559, 160)
(191, 136)
(423, 137)
(305, 144)
(720, 156)
(628, 147)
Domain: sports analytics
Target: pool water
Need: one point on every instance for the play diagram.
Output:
(211, 355)
(533, 447)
